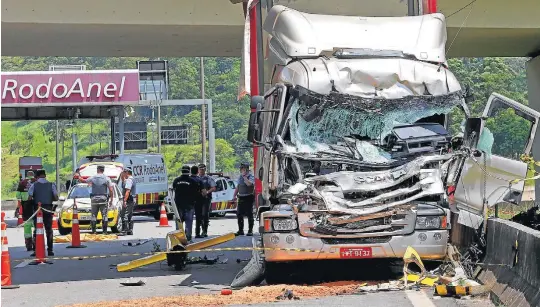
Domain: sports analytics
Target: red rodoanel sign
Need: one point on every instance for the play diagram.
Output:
(96, 86)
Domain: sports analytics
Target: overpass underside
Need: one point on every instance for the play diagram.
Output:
(215, 27)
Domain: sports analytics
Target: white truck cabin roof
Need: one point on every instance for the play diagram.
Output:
(294, 34)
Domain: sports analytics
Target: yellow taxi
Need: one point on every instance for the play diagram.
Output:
(80, 194)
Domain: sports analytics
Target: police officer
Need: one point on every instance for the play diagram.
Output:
(129, 192)
(100, 197)
(44, 192)
(208, 186)
(186, 191)
(244, 192)
(27, 207)
(198, 202)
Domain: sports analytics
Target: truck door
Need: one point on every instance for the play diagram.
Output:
(489, 174)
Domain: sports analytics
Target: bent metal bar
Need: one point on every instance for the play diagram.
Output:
(58, 87)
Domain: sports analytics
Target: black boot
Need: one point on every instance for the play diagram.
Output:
(93, 227)
(124, 228)
(104, 227)
(130, 231)
(198, 229)
(205, 230)
(250, 226)
(240, 226)
(29, 244)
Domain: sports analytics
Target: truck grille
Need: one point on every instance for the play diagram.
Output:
(373, 240)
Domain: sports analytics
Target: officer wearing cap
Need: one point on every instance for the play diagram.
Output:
(129, 192)
(244, 192)
(186, 191)
(101, 197)
(44, 192)
(208, 186)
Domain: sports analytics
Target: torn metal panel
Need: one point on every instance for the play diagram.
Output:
(379, 77)
(377, 180)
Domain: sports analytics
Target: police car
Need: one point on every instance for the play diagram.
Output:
(222, 199)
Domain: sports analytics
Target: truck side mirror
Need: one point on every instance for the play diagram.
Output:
(253, 129)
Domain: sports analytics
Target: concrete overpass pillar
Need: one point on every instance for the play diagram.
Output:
(533, 84)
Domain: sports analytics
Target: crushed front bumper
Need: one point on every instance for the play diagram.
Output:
(430, 244)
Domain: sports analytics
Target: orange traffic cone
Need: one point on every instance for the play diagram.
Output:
(20, 217)
(75, 230)
(40, 239)
(6, 265)
(163, 220)
(55, 221)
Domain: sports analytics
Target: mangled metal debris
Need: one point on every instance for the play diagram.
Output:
(253, 272)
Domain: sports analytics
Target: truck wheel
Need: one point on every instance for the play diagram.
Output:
(62, 230)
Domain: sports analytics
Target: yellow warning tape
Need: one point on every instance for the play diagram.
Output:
(182, 252)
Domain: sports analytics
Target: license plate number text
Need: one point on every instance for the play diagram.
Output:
(355, 252)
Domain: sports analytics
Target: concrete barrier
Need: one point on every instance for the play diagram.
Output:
(517, 281)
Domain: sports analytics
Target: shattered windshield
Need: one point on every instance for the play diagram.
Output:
(326, 120)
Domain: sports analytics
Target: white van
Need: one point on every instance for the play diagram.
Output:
(149, 172)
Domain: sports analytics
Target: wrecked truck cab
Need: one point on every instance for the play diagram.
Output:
(355, 157)
(353, 140)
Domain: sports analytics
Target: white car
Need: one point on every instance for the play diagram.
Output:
(81, 194)
(223, 201)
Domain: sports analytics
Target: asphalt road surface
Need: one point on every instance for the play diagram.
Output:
(92, 280)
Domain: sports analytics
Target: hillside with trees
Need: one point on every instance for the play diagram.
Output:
(485, 75)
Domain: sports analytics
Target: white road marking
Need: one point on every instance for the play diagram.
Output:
(419, 298)
(23, 264)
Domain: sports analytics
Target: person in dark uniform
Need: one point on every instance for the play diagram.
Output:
(27, 207)
(101, 198)
(186, 191)
(198, 202)
(44, 192)
(245, 194)
(208, 186)
(129, 192)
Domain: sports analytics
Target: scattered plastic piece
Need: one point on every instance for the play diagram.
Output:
(133, 283)
(226, 291)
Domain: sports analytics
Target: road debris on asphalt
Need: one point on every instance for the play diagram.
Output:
(133, 282)
(287, 294)
(248, 295)
(131, 244)
(238, 260)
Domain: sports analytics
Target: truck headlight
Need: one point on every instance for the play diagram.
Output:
(430, 222)
(284, 224)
